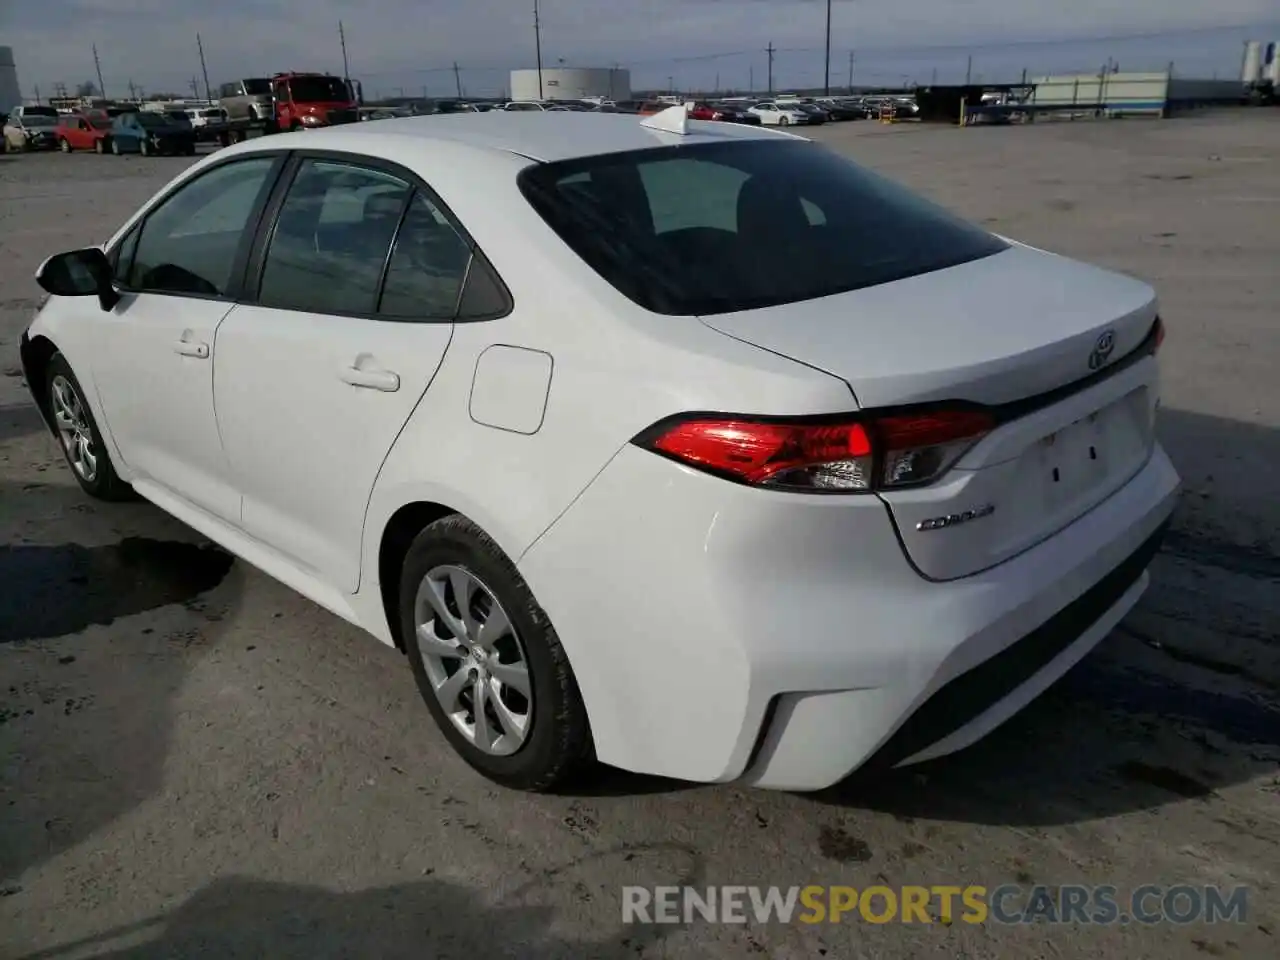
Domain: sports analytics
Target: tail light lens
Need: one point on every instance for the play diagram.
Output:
(860, 454)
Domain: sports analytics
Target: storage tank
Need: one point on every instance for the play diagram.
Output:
(1271, 63)
(1251, 72)
(10, 94)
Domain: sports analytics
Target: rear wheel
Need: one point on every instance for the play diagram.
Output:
(97, 146)
(784, 121)
(488, 661)
(78, 435)
(115, 147)
(64, 145)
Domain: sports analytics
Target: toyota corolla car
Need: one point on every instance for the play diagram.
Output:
(692, 448)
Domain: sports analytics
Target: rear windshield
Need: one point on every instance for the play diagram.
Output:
(716, 228)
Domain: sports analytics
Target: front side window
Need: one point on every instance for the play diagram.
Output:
(721, 227)
(189, 243)
(332, 238)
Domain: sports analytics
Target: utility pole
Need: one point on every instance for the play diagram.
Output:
(770, 50)
(826, 74)
(38, 103)
(717, 90)
(751, 78)
(195, 88)
(133, 91)
(537, 46)
(968, 71)
(208, 94)
(97, 65)
(342, 40)
(850, 73)
(457, 78)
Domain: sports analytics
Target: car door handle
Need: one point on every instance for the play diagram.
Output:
(192, 348)
(384, 380)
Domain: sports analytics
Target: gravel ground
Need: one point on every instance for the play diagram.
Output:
(196, 761)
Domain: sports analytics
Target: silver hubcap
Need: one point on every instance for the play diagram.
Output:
(74, 429)
(474, 659)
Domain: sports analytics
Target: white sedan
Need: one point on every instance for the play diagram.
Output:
(773, 114)
(689, 447)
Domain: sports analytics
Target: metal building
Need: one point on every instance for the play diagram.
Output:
(10, 92)
(572, 83)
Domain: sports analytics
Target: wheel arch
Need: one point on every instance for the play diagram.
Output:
(35, 353)
(397, 535)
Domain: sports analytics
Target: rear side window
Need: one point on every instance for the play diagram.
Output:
(332, 238)
(721, 227)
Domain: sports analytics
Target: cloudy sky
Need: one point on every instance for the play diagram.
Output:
(408, 46)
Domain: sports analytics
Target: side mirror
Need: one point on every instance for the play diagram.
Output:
(79, 273)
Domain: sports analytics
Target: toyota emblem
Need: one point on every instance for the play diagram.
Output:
(1102, 350)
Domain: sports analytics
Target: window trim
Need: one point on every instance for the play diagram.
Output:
(251, 284)
(235, 288)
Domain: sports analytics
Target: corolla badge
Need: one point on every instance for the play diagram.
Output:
(1102, 350)
(955, 519)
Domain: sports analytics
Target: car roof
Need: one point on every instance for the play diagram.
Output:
(544, 136)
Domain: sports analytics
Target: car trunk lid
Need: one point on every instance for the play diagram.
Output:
(1029, 335)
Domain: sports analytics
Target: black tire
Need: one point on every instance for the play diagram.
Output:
(144, 148)
(557, 745)
(115, 147)
(98, 145)
(64, 145)
(105, 484)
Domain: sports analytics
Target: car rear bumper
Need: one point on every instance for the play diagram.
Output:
(725, 633)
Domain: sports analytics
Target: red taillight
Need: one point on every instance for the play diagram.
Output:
(858, 455)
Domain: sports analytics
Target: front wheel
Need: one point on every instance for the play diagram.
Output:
(488, 661)
(79, 436)
(64, 145)
(784, 121)
(115, 147)
(97, 146)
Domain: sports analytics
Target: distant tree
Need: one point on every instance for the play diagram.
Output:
(87, 89)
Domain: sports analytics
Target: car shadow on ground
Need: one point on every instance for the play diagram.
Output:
(86, 712)
(241, 917)
(1181, 700)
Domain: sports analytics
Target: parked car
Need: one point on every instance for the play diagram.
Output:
(736, 113)
(204, 116)
(840, 110)
(83, 132)
(31, 131)
(816, 114)
(527, 106)
(693, 540)
(779, 114)
(151, 133)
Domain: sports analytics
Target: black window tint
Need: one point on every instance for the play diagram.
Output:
(122, 256)
(427, 266)
(331, 239)
(715, 228)
(189, 243)
(485, 296)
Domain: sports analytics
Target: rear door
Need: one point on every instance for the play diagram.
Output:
(355, 298)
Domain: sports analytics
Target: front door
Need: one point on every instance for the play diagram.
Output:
(316, 380)
(154, 353)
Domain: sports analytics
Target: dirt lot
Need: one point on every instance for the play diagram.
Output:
(196, 761)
